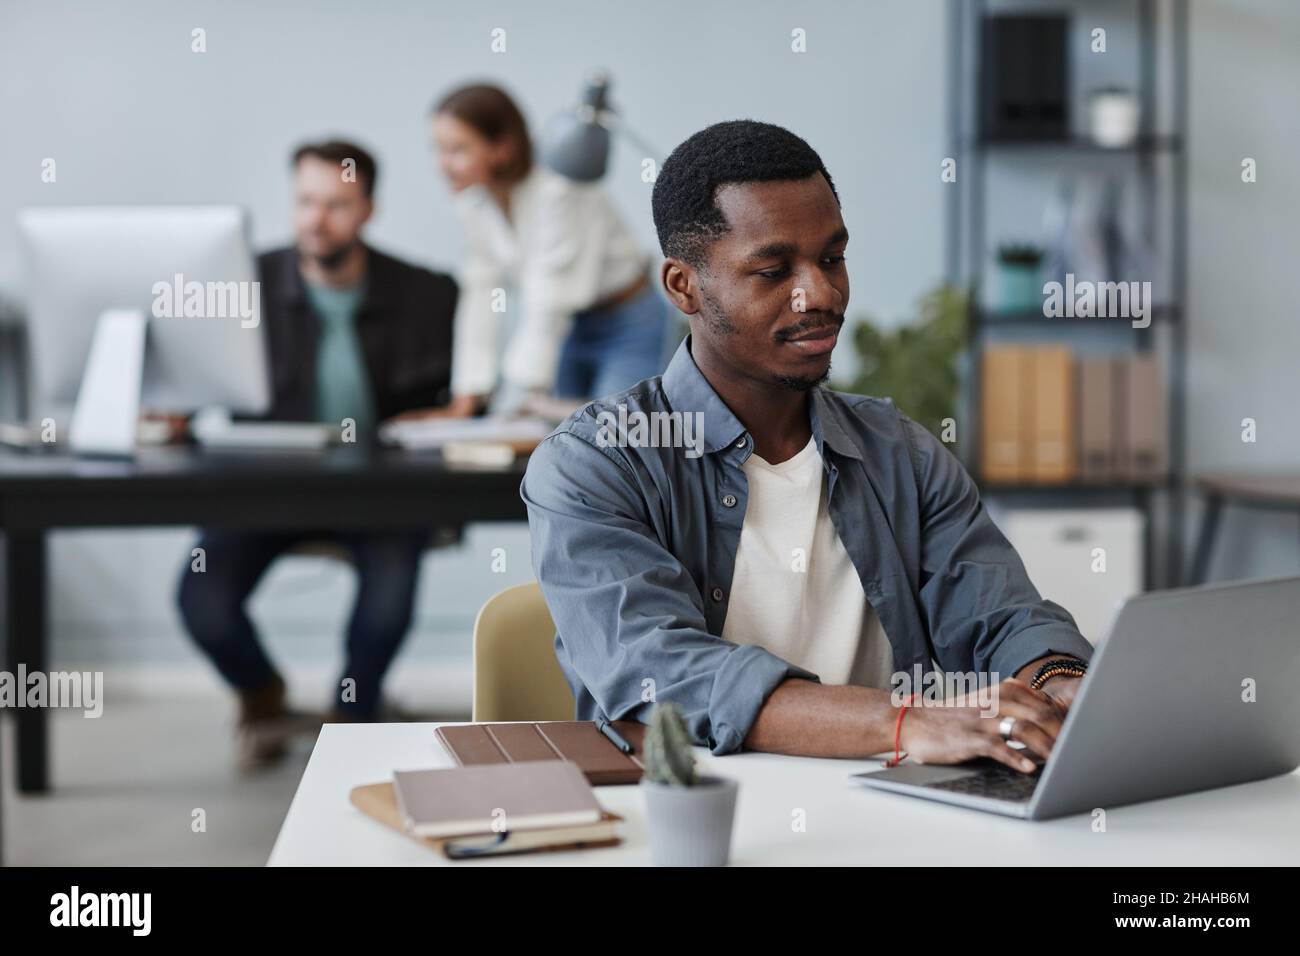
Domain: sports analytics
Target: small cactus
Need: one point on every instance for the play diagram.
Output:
(668, 756)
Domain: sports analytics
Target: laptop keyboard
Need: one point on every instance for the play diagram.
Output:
(998, 782)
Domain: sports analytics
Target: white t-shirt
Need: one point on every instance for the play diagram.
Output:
(795, 592)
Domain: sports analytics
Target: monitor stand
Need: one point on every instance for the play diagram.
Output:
(107, 413)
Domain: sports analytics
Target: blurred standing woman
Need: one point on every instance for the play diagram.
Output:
(589, 322)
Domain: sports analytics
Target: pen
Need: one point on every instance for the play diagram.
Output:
(606, 728)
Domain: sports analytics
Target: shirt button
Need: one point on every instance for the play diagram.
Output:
(741, 443)
(717, 594)
(729, 500)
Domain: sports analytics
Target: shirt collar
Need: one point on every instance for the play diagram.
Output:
(827, 417)
(688, 390)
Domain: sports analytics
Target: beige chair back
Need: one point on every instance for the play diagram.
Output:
(516, 675)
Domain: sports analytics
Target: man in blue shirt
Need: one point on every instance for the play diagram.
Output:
(355, 337)
(651, 537)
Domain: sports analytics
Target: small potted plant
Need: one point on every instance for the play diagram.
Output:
(1018, 284)
(689, 816)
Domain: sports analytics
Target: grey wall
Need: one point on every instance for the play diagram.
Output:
(112, 92)
(1244, 338)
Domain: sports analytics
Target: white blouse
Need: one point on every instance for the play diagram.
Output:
(564, 249)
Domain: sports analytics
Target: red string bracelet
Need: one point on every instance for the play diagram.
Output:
(898, 733)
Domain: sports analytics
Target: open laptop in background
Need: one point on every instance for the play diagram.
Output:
(1163, 711)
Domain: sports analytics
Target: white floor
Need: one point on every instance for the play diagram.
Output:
(127, 784)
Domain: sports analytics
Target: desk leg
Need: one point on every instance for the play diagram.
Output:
(1205, 539)
(24, 584)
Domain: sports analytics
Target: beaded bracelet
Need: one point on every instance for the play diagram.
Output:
(1056, 668)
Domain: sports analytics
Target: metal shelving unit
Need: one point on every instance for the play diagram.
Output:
(967, 250)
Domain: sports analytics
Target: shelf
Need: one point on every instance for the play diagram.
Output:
(1076, 488)
(988, 317)
(1159, 157)
(1159, 143)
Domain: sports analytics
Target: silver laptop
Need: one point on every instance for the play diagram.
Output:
(1195, 688)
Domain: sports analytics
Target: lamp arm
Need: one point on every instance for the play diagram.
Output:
(614, 123)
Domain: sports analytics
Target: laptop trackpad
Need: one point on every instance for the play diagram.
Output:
(920, 775)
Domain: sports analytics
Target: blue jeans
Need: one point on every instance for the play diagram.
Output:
(212, 605)
(611, 349)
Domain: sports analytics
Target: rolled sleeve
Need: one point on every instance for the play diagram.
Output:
(982, 611)
(743, 683)
(1038, 641)
(629, 616)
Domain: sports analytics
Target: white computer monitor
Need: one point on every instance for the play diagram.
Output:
(140, 305)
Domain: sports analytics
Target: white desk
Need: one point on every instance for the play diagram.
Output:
(846, 823)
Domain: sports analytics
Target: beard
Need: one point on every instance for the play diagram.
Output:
(715, 317)
(719, 324)
(804, 383)
(333, 258)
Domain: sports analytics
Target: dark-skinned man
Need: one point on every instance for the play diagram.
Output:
(777, 582)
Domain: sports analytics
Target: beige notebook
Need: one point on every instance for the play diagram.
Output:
(494, 798)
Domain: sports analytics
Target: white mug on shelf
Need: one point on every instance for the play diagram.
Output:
(1113, 116)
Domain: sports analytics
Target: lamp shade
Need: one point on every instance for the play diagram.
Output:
(575, 143)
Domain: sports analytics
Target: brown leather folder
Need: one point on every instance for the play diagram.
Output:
(577, 740)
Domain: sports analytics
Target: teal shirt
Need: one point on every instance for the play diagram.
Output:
(342, 384)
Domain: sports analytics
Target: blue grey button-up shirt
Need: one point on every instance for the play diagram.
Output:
(634, 543)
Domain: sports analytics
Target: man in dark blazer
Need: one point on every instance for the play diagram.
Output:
(354, 337)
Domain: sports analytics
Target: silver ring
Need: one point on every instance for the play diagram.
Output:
(1004, 728)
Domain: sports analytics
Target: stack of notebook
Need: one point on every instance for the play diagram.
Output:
(519, 788)
(468, 812)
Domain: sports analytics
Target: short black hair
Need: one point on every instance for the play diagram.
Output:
(684, 201)
(337, 151)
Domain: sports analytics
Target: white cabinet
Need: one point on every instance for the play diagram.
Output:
(1088, 560)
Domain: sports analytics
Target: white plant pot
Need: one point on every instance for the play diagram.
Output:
(690, 826)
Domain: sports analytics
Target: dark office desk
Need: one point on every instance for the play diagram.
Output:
(345, 488)
(1279, 491)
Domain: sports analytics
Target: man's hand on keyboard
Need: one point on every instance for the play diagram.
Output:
(953, 731)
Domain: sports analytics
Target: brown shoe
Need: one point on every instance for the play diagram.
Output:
(266, 726)
(259, 748)
(263, 703)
